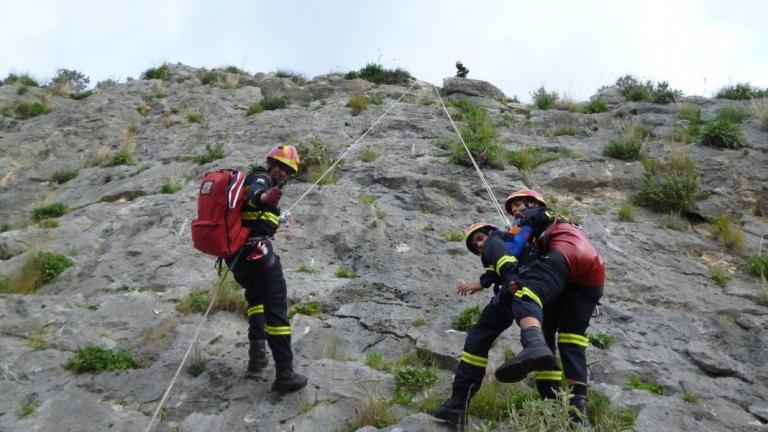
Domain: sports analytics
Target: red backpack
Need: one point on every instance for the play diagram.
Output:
(218, 230)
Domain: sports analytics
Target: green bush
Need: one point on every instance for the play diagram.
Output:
(690, 113)
(81, 95)
(235, 70)
(209, 77)
(316, 158)
(30, 109)
(415, 378)
(669, 186)
(629, 144)
(211, 154)
(721, 133)
(635, 90)
(467, 318)
(254, 109)
(595, 106)
(741, 91)
(479, 135)
(70, 81)
(641, 384)
(544, 100)
(95, 359)
(377, 74)
(733, 114)
(358, 103)
(600, 340)
(23, 79)
(53, 210)
(604, 417)
(758, 265)
(309, 308)
(719, 275)
(295, 77)
(160, 72)
(274, 103)
(39, 268)
(26, 410)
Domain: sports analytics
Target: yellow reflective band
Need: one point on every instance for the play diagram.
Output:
(489, 268)
(504, 260)
(573, 338)
(474, 360)
(278, 330)
(526, 292)
(550, 375)
(256, 310)
(263, 215)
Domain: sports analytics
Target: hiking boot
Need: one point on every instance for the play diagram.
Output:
(578, 410)
(287, 380)
(453, 411)
(257, 357)
(535, 355)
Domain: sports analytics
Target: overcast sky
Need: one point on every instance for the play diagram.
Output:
(572, 47)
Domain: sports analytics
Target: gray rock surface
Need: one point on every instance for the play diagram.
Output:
(133, 259)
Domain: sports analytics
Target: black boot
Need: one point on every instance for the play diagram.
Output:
(454, 410)
(578, 402)
(535, 355)
(257, 357)
(548, 389)
(287, 380)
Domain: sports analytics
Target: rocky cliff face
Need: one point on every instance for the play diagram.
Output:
(388, 221)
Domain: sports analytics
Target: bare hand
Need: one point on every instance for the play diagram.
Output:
(512, 287)
(468, 288)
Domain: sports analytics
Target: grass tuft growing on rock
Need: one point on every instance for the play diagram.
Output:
(721, 133)
(733, 114)
(374, 411)
(641, 384)
(723, 229)
(358, 103)
(368, 155)
(211, 154)
(274, 103)
(311, 308)
(626, 212)
(96, 359)
(741, 91)
(345, 273)
(669, 186)
(254, 109)
(719, 275)
(544, 100)
(376, 360)
(758, 265)
(63, 176)
(171, 185)
(467, 318)
(28, 110)
(26, 410)
(629, 144)
(479, 134)
(453, 235)
(316, 158)
(601, 340)
(39, 268)
(52, 210)
(229, 299)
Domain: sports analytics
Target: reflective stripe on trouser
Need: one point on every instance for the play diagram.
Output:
(541, 283)
(573, 353)
(474, 357)
(266, 287)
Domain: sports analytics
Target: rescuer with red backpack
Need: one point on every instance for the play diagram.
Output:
(238, 216)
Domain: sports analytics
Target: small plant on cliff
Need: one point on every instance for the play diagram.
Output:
(160, 72)
(358, 103)
(96, 359)
(378, 74)
(467, 318)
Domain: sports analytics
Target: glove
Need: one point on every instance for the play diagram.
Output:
(271, 196)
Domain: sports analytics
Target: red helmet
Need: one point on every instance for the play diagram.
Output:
(524, 193)
(287, 155)
(472, 229)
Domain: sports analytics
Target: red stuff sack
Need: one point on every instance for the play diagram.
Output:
(218, 229)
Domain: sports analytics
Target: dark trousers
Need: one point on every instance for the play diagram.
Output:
(474, 359)
(267, 296)
(563, 308)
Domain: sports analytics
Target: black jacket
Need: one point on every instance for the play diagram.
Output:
(262, 219)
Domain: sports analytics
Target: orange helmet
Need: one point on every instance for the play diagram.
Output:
(472, 229)
(287, 155)
(524, 193)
